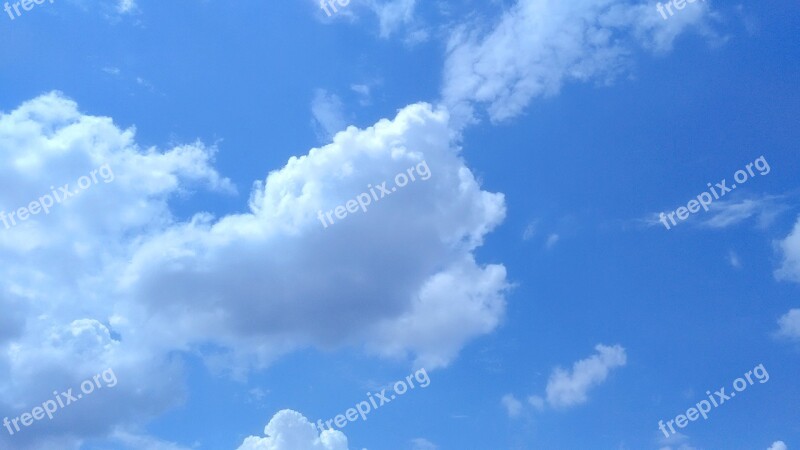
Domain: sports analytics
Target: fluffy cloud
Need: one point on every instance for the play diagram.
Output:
(57, 267)
(538, 45)
(567, 388)
(289, 430)
(789, 325)
(268, 281)
(778, 445)
(570, 388)
(111, 278)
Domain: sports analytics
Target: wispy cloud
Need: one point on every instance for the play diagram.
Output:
(126, 6)
(764, 209)
(328, 114)
(539, 45)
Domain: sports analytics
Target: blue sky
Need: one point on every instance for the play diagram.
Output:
(529, 276)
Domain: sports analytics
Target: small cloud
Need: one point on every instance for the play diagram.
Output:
(328, 112)
(675, 441)
(144, 83)
(728, 213)
(789, 325)
(422, 444)
(393, 15)
(750, 21)
(537, 402)
(126, 6)
(512, 405)
(552, 240)
(361, 89)
(530, 230)
(256, 395)
(289, 430)
(790, 249)
(565, 388)
(778, 445)
(733, 260)
(364, 92)
(570, 388)
(111, 71)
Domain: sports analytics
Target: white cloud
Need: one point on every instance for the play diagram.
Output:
(422, 444)
(733, 260)
(139, 441)
(552, 240)
(765, 209)
(790, 249)
(126, 6)
(539, 45)
(789, 325)
(396, 14)
(565, 388)
(112, 278)
(537, 402)
(362, 89)
(530, 230)
(512, 405)
(58, 268)
(328, 112)
(289, 430)
(675, 441)
(111, 70)
(778, 445)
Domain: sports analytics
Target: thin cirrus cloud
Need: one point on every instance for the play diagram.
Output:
(327, 110)
(764, 209)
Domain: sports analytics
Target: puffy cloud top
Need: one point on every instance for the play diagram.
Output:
(289, 430)
(128, 285)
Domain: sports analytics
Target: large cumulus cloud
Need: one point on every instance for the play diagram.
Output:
(111, 278)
